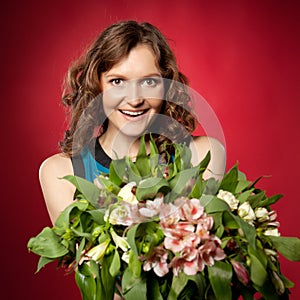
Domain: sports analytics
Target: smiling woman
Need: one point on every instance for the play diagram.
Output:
(132, 96)
(125, 86)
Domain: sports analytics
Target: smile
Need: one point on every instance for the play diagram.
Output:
(133, 113)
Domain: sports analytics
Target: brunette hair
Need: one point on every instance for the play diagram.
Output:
(82, 89)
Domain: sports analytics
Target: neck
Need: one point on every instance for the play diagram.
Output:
(119, 145)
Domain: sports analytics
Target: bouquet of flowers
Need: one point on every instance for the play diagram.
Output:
(155, 229)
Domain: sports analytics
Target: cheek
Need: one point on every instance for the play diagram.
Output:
(157, 100)
(111, 100)
(156, 105)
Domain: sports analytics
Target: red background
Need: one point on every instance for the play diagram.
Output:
(242, 56)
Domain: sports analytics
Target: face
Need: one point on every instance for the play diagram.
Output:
(132, 93)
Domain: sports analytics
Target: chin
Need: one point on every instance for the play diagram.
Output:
(134, 131)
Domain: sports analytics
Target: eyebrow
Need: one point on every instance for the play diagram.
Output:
(123, 76)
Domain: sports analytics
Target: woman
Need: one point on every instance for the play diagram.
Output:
(127, 84)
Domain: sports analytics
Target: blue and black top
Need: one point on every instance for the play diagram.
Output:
(91, 161)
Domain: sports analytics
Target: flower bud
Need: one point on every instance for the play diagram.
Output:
(240, 271)
(246, 212)
(272, 232)
(119, 241)
(261, 214)
(278, 283)
(272, 216)
(98, 252)
(125, 257)
(229, 199)
(126, 193)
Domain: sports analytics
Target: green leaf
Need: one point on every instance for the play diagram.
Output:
(44, 261)
(132, 171)
(85, 281)
(135, 265)
(258, 265)
(248, 230)
(271, 200)
(198, 188)
(89, 190)
(149, 187)
(181, 285)
(108, 186)
(229, 220)
(153, 147)
(182, 158)
(47, 244)
(178, 284)
(287, 283)
(133, 287)
(204, 162)
(242, 184)
(115, 264)
(131, 238)
(82, 233)
(289, 247)
(117, 170)
(256, 199)
(213, 204)
(182, 178)
(230, 180)
(220, 275)
(63, 219)
(80, 249)
(268, 291)
(97, 216)
(108, 281)
(243, 197)
(142, 159)
(211, 186)
(153, 291)
(133, 283)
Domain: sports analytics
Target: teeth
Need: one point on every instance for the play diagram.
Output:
(132, 113)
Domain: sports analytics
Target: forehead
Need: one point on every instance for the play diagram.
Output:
(139, 62)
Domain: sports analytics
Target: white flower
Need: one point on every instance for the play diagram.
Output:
(119, 215)
(119, 241)
(261, 214)
(97, 252)
(125, 257)
(126, 193)
(229, 199)
(246, 212)
(273, 232)
(153, 207)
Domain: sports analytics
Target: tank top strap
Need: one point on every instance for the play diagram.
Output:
(86, 166)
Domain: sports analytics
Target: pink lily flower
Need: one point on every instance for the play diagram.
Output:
(169, 214)
(157, 261)
(209, 252)
(152, 208)
(190, 209)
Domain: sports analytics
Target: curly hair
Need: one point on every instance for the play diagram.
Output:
(83, 95)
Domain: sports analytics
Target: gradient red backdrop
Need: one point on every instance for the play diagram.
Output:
(242, 56)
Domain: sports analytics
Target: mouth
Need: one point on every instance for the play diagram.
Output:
(133, 113)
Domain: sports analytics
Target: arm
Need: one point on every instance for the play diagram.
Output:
(58, 193)
(199, 146)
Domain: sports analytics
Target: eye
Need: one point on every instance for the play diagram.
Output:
(117, 82)
(149, 82)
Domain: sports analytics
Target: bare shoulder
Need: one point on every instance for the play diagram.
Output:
(200, 146)
(57, 164)
(58, 193)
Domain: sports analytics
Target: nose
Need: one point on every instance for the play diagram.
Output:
(134, 95)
